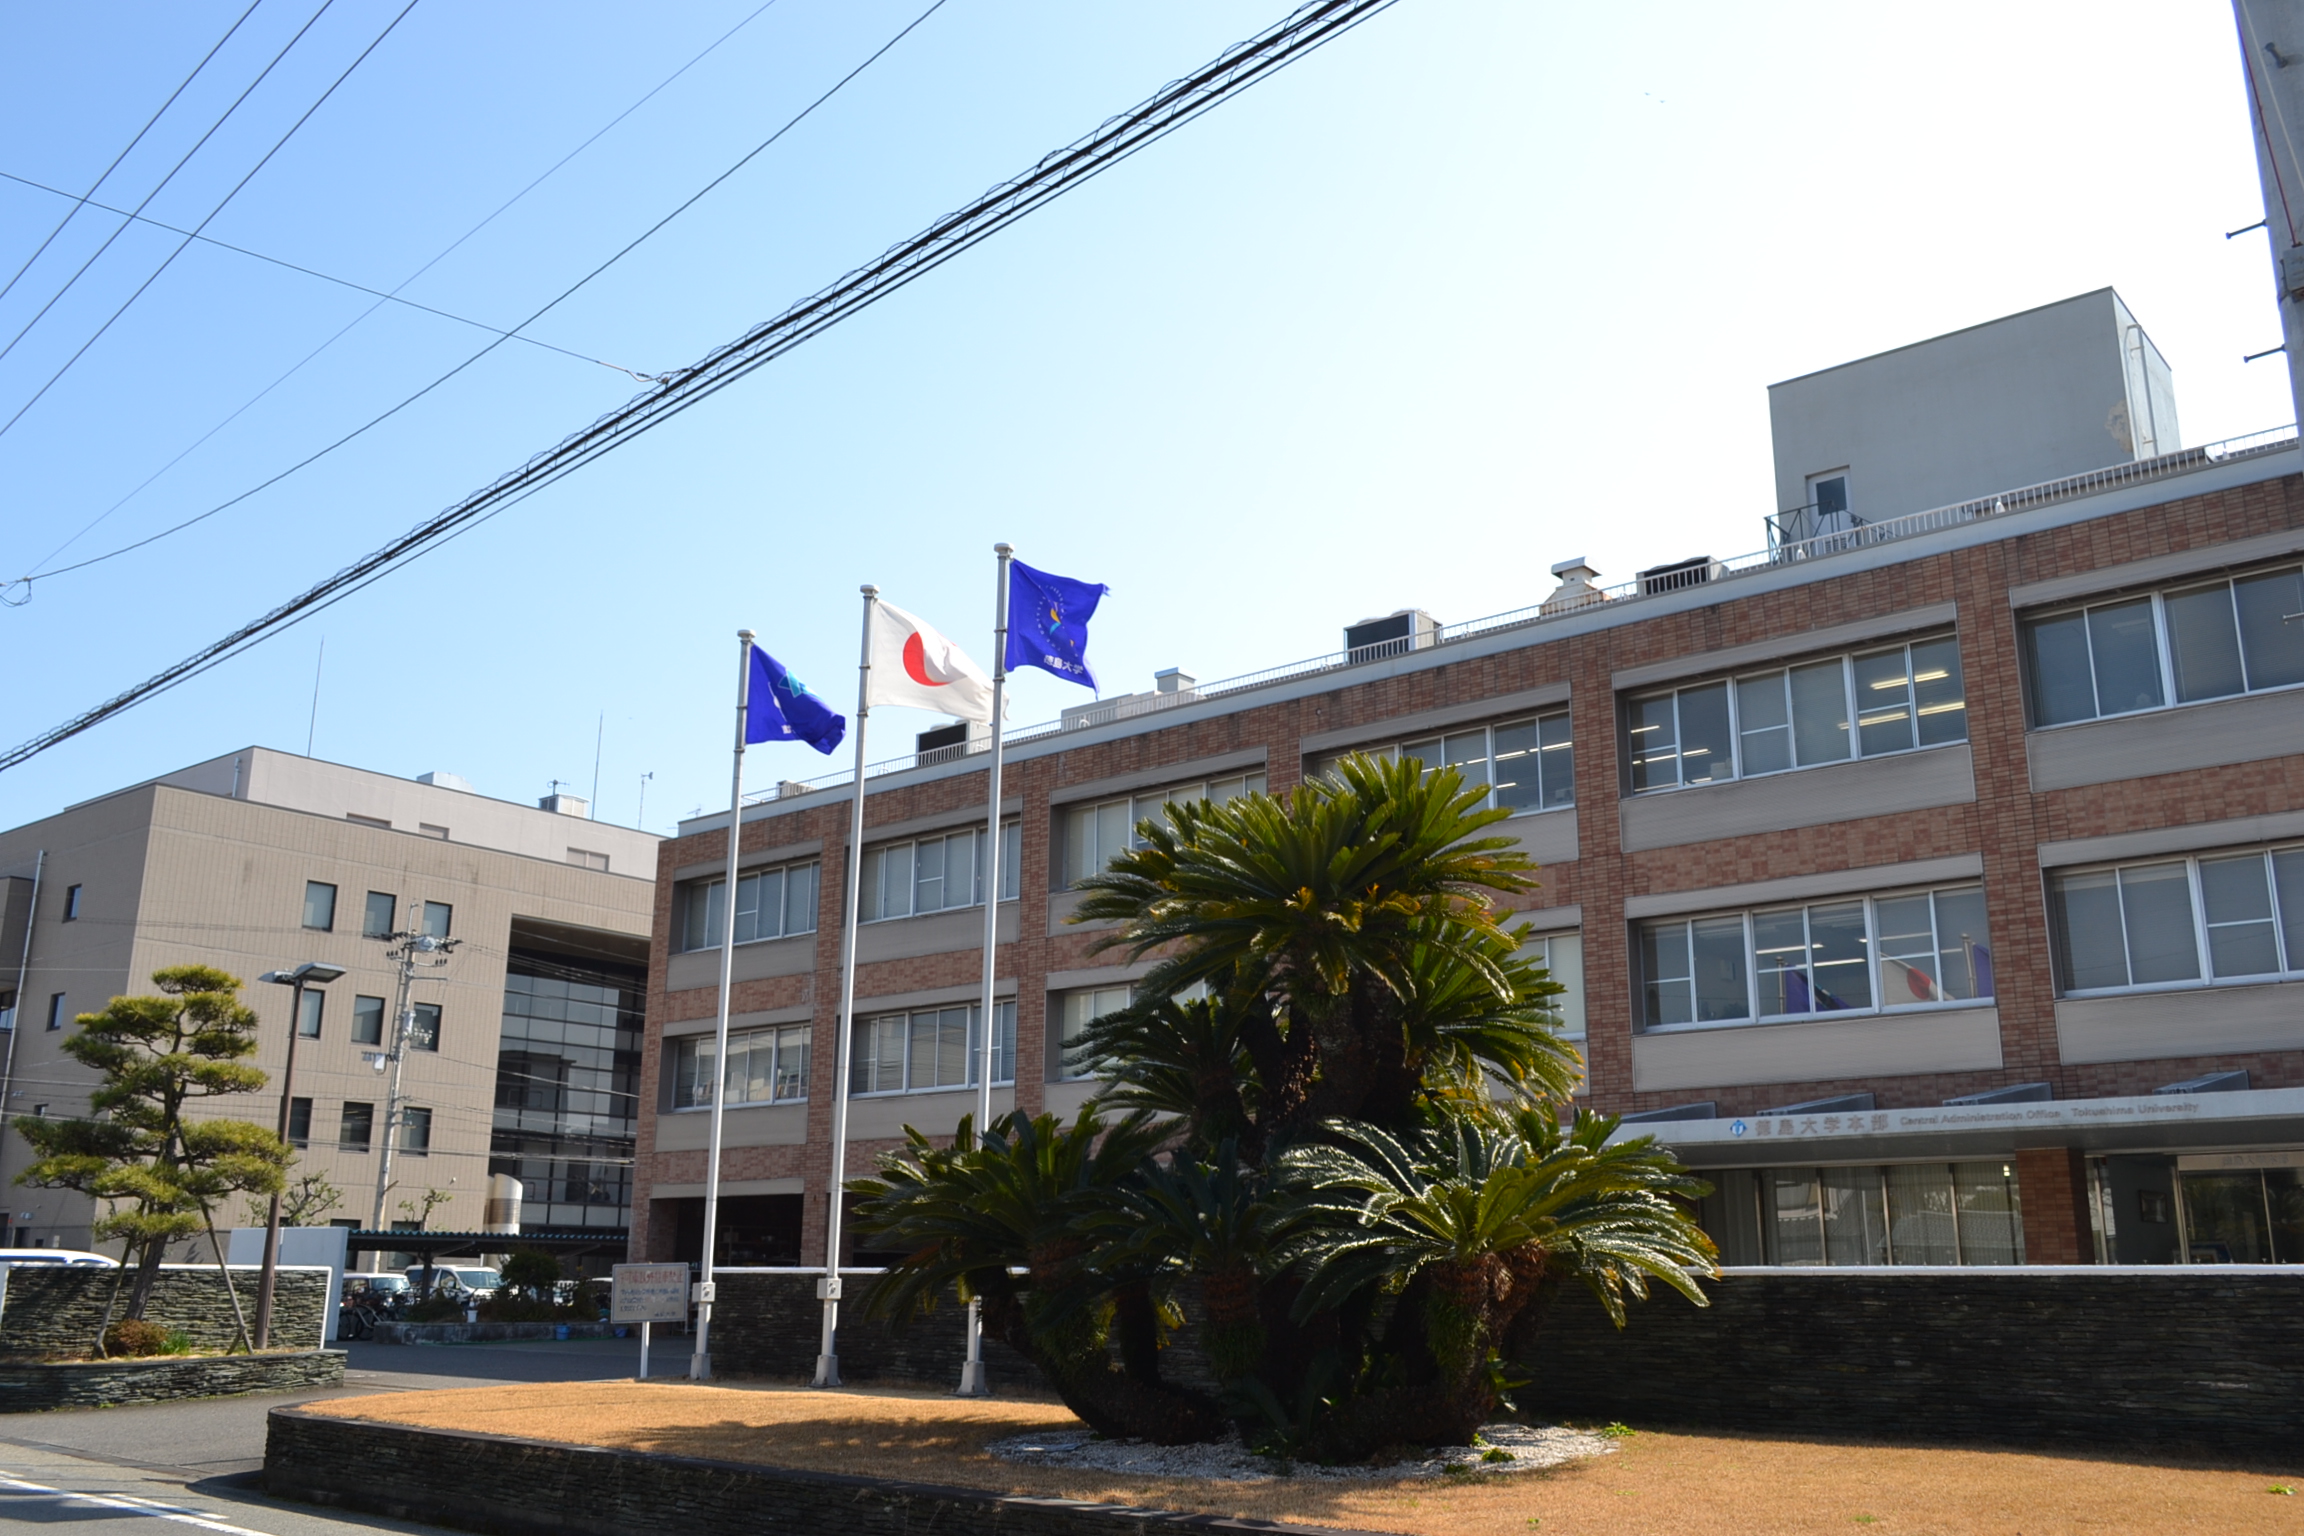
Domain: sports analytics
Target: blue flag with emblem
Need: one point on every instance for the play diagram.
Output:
(779, 707)
(1048, 622)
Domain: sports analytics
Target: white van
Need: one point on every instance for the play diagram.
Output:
(14, 1258)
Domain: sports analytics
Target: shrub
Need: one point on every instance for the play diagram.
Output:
(140, 1336)
(439, 1307)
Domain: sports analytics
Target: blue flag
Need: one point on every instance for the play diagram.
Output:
(1048, 622)
(780, 708)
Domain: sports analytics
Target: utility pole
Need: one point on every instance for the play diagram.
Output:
(413, 951)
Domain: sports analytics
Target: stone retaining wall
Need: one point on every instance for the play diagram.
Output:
(35, 1388)
(772, 1325)
(53, 1309)
(2197, 1356)
(490, 1483)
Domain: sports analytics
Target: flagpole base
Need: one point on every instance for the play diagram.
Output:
(975, 1381)
(827, 1371)
(700, 1367)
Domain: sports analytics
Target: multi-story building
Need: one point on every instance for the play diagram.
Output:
(1933, 878)
(524, 1054)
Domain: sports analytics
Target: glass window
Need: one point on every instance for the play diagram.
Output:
(764, 1066)
(367, 1021)
(1921, 1228)
(929, 1049)
(57, 1012)
(1991, 1228)
(2217, 638)
(319, 905)
(1883, 702)
(2135, 926)
(299, 1122)
(72, 903)
(933, 874)
(308, 1012)
(415, 1130)
(2156, 908)
(1707, 748)
(770, 904)
(1939, 692)
(1764, 723)
(1859, 954)
(1655, 736)
(424, 1029)
(1562, 954)
(378, 915)
(438, 916)
(1096, 834)
(356, 1127)
(1796, 1226)
(1854, 1205)
(1074, 1012)
(1820, 713)
(2237, 902)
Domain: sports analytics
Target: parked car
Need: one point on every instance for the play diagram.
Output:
(373, 1288)
(478, 1283)
(14, 1258)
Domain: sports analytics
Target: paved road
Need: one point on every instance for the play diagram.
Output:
(142, 1471)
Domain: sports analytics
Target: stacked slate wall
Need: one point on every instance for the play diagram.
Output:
(53, 1309)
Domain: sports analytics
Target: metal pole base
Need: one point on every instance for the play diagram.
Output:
(827, 1371)
(700, 1367)
(975, 1381)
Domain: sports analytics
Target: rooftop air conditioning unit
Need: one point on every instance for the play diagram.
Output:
(942, 744)
(566, 805)
(1680, 574)
(1395, 634)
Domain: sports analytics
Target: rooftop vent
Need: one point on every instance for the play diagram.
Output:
(1174, 680)
(788, 789)
(1680, 574)
(1395, 634)
(566, 805)
(2015, 1093)
(1576, 587)
(440, 780)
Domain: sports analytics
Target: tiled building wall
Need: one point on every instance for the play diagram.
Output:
(2004, 823)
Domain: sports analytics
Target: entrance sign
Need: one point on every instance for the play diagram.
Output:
(648, 1294)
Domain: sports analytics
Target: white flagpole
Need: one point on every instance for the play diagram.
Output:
(973, 1381)
(827, 1354)
(700, 1361)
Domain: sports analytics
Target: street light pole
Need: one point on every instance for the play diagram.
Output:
(310, 973)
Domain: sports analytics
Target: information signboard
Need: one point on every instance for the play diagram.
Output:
(649, 1293)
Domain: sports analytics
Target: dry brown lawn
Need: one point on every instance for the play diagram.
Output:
(1669, 1484)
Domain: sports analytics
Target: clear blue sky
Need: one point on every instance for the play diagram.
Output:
(1481, 286)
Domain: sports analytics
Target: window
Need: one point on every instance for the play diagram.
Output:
(1095, 834)
(1870, 704)
(357, 1127)
(928, 1049)
(57, 1012)
(7, 1011)
(310, 1007)
(1528, 765)
(1828, 497)
(933, 874)
(299, 1122)
(439, 916)
(380, 823)
(2179, 922)
(1859, 954)
(427, 829)
(424, 1027)
(1911, 1213)
(585, 858)
(379, 915)
(367, 1021)
(770, 904)
(415, 1131)
(765, 1066)
(319, 906)
(71, 903)
(2206, 640)
(1074, 1012)
(1563, 955)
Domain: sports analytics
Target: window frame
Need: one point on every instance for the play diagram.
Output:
(447, 911)
(312, 1013)
(1393, 751)
(781, 1038)
(328, 926)
(71, 904)
(1134, 809)
(875, 864)
(1064, 1032)
(368, 930)
(1581, 1030)
(57, 1008)
(2162, 640)
(1852, 726)
(411, 1117)
(1876, 1008)
(367, 1142)
(1003, 1048)
(421, 1037)
(696, 902)
(381, 1013)
(2203, 952)
(299, 1114)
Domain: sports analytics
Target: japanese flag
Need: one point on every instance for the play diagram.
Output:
(916, 667)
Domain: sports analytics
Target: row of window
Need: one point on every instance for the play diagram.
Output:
(356, 1127)
(2173, 922)
(770, 904)
(378, 914)
(1526, 765)
(2206, 640)
(368, 1015)
(935, 874)
(1868, 704)
(1096, 834)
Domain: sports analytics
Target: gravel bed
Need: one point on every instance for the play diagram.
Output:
(1229, 1461)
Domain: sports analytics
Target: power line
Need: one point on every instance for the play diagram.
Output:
(326, 277)
(82, 200)
(1245, 64)
(171, 176)
(212, 213)
(443, 254)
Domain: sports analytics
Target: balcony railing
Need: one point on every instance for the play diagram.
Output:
(1660, 581)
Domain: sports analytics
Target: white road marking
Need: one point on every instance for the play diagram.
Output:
(135, 1506)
